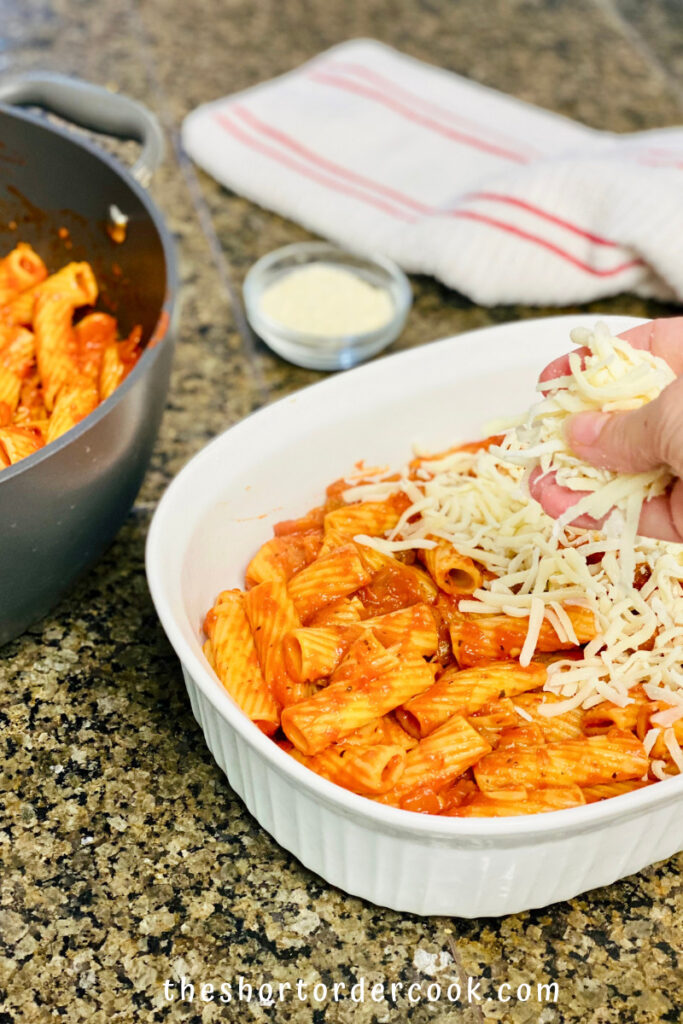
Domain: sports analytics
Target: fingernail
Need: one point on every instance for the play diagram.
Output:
(585, 427)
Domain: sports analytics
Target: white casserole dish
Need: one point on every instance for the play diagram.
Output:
(275, 465)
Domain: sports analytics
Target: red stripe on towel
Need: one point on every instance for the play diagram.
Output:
(523, 205)
(327, 165)
(294, 165)
(329, 183)
(427, 105)
(286, 140)
(550, 246)
(463, 138)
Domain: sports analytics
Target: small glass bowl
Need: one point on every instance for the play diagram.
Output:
(315, 351)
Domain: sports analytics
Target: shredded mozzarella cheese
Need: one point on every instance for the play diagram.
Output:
(523, 714)
(650, 739)
(674, 749)
(479, 502)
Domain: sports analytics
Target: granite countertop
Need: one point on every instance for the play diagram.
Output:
(126, 859)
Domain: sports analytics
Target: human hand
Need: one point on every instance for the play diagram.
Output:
(629, 442)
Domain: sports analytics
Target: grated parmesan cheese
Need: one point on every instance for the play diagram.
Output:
(327, 300)
(479, 502)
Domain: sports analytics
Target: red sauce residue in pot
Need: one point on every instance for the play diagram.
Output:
(11, 158)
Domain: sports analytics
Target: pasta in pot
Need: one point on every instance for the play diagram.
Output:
(57, 361)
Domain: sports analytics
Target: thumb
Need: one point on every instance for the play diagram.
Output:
(633, 442)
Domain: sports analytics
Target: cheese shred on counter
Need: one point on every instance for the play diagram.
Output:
(633, 585)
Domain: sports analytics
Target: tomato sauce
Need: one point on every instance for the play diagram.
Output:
(391, 589)
(313, 520)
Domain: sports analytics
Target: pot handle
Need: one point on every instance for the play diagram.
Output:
(91, 106)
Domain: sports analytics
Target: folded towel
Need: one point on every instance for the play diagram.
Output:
(497, 198)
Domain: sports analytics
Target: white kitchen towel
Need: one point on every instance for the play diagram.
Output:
(497, 198)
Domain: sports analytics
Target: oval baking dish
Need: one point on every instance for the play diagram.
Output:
(273, 466)
(62, 505)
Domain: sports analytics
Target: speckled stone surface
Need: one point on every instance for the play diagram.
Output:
(125, 859)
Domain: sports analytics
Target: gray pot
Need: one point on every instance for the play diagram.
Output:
(61, 506)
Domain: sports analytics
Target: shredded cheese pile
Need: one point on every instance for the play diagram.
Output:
(479, 502)
(613, 377)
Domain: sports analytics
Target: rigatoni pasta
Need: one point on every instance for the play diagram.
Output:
(231, 650)
(454, 573)
(465, 691)
(57, 360)
(371, 667)
(589, 761)
(367, 769)
(436, 761)
(480, 640)
(272, 615)
(371, 681)
(327, 579)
